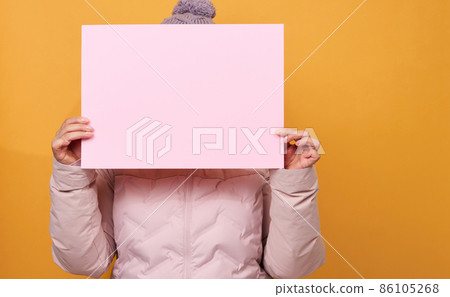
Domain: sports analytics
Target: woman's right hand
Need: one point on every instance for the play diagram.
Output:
(66, 145)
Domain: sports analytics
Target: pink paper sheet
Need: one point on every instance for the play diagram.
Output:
(148, 89)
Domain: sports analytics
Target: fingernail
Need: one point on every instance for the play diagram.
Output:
(84, 120)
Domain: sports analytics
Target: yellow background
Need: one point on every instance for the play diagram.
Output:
(376, 93)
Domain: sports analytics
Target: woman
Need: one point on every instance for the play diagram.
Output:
(184, 223)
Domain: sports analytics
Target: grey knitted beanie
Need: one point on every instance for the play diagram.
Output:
(192, 12)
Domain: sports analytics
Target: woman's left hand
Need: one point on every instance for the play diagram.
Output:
(303, 153)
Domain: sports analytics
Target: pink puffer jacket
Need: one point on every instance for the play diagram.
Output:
(232, 223)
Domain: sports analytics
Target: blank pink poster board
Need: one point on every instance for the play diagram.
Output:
(183, 96)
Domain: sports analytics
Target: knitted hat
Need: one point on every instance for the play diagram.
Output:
(192, 12)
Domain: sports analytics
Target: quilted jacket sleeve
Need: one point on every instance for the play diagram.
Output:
(81, 225)
(293, 246)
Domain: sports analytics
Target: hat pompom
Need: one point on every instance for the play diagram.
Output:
(197, 7)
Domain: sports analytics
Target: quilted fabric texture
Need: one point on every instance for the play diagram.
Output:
(214, 224)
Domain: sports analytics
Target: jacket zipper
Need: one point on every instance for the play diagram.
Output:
(187, 230)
